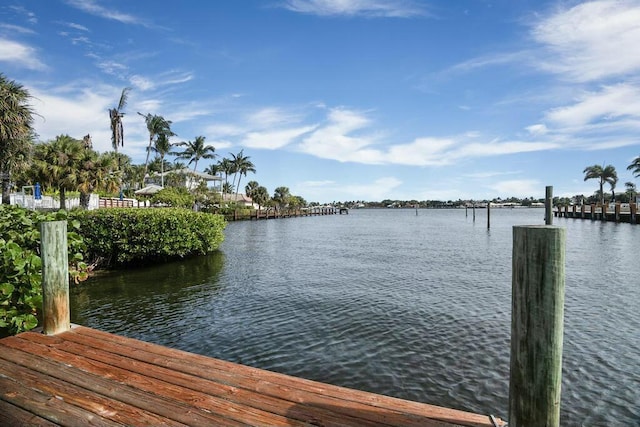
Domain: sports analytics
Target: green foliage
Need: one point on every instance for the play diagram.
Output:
(177, 197)
(20, 265)
(126, 236)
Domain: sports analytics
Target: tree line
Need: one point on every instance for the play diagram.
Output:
(67, 164)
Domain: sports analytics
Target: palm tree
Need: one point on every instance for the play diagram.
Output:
(16, 118)
(162, 147)
(635, 167)
(261, 196)
(251, 187)
(156, 125)
(225, 166)
(241, 165)
(281, 196)
(58, 164)
(604, 174)
(115, 116)
(98, 172)
(631, 191)
(196, 150)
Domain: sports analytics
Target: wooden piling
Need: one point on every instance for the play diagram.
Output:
(548, 205)
(488, 215)
(55, 277)
(538, 279)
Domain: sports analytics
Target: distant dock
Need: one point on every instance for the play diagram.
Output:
(616, 212)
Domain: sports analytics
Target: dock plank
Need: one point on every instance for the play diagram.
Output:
(85, 376)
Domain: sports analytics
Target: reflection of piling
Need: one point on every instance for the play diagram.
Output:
(537, 306)
(55, 277)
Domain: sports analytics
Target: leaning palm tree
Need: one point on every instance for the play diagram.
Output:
(115, 116)
(242, 165)
(196, 150)
(604, 174)
(635, 167)
(16, 118)
(156, 125)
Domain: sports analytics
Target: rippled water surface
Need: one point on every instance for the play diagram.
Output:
(412, 306)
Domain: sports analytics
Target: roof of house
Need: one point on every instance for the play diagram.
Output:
(187, 171)
(148, 190)
(236, 198)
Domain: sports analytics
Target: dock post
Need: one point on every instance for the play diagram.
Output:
(632, 211)
(488, 215)
(548, 205)
(593, 212)
(537, 323)
(55, 277)
(616, 211)
(474, 212)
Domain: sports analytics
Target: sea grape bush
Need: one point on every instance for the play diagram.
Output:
(20, 265)
(122, 236)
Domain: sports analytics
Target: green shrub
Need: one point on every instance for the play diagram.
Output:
(20, 265)
(177, 197)
(125, 236)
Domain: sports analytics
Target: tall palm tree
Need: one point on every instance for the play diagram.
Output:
(16, 118)
(251, 187)
(635, 167)
(196, 150)
(162, 147)
(241, 165)
(225, 166)
(115, 116)
(604, 174)
(156, 125)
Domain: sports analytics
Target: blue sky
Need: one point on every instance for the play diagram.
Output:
(348, 99)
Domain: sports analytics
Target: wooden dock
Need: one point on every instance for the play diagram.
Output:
(85, 377)
(616, 212)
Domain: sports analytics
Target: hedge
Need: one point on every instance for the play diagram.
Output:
(124, 236)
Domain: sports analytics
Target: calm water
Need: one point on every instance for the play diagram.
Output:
(416, 307)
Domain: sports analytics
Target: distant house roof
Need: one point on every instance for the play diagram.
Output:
(236, 198)
(148, 190)
(187, 171)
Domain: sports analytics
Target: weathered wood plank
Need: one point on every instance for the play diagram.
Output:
(49, 406)
(161, 381)
(72, 370)
(11, 415)
(289, 409)
(99, 405)
(300, 390)
(97, 372)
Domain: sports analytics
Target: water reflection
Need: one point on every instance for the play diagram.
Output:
(132, 301)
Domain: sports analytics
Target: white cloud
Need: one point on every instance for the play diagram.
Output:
(537, 129)
(141, 83)
(20, 55)
(80, 110)
(335, 139)
(592, 40)
(76, 26)
(271, 140)
(272, 116)
(90, 6)
(422, 152)
(16, 29)
(517, 187)
(373, 8)
(610, 103)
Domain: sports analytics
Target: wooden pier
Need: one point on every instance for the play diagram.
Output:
(616, 212)
(84, 377)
